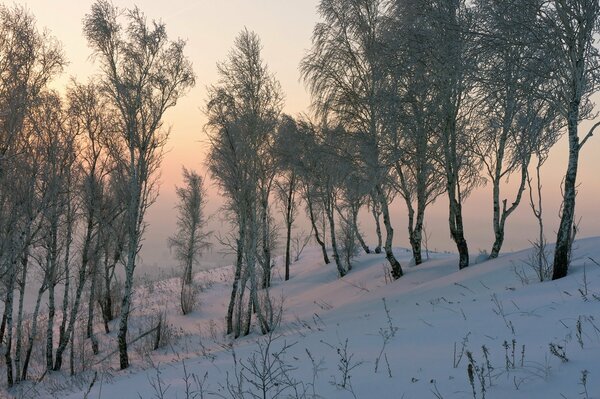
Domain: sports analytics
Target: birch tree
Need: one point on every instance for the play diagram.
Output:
(507, 93)
(453, 69)
(344, 75)
(285, 146)
(191, 239)
(29, 59)
(414, 115)
(243, 110)
(143, 75)
(569, 29)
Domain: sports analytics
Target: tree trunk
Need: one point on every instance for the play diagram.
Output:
(33, 331)
(266, 245)
(64, 338)
(376, 215)
(562, 250)
(288, 219)
(107, 302)
(3, 325)
(334, 248)
(52, 266)
(19, 337)
(8, 309)
(125, 309)
(50, 326)
(395, 265)
(457, 232)
(90, 321)
(364, 246)
(500, 216)
(313, 223)
(415, 234)
(237, 276)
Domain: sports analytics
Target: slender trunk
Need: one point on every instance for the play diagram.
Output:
(395, 265)
(455, 219)
(313, 223)
(248, 319)
(188, 273)
(90, 321)
(364, 246)
(289, 220)
(238, 272)
(189, 261)
(334, 248)
(72, 353)
(239, 319)
(500, 216)
(563, 239)
(376, 215)
(107, 302)
(266, 245)
(457, 232)
(52, 266)
(125, 309)
(64, 339)
(3, 325)
(50, 326)
(33, 331)
(133, 232)
(67, 260)
(8, 309)
(251, 265)
(19, 337)
(415, 234)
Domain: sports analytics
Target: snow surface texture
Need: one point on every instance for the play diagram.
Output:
(480, 332)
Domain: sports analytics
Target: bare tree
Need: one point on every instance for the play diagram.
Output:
(544, 130)
(243, 111)
(287, 184)
(91, 119)
(143, 75)
(28, 61)
(507, 92)
(415, 115)
(344, 74)
(191, 239)
(452, 69)
(568, 28)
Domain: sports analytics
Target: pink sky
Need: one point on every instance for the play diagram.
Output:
(285, 28)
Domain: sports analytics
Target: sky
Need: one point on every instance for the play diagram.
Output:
(285, 28)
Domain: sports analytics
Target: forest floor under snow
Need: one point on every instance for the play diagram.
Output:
(490, 330)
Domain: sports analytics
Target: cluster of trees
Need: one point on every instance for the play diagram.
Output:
(410, 98)
(77, 173)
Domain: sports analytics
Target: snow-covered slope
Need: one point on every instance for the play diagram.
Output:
(435, 325)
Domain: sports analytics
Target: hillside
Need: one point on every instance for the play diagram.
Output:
(365, 336)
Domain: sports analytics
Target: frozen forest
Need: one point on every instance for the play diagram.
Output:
(411, 102)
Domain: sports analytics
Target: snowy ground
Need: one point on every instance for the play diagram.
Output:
(439, 321)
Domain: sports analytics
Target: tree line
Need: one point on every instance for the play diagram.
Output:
(410, 99)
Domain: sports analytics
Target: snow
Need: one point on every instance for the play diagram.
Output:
(434, 309)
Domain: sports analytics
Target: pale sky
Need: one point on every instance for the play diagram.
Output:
(285, 28)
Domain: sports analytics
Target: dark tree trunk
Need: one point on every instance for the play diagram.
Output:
(288, 220)
(313, 223)
(395, 265)
(364, 246)
(376, 215)
(336, 256)
(237, 276)
(415, 234)
(564, 237)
